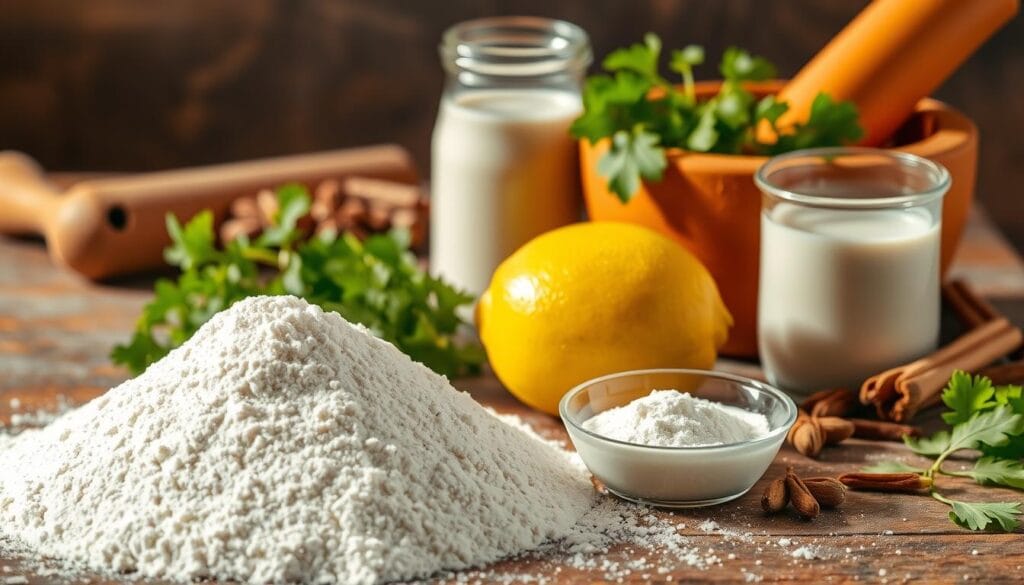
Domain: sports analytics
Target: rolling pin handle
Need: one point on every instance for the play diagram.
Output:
(27, 199)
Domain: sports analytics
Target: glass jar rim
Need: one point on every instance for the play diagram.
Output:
(938, 177)
(515, 46)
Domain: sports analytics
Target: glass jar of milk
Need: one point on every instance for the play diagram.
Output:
(849, 282)
(504, 166)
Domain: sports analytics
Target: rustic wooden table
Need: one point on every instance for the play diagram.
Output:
(56, 331)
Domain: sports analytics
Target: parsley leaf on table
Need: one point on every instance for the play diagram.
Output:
(983, 418)
(982, 516)
(965, 395)
(928, 446)
(376, 282)
(993, 428)
(993, 471)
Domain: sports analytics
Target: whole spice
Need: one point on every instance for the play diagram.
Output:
(834, 429)
(776, 496)
(833, 402)
(810, 434)
(1008, 373)
(886, 482)
(803, 500)
(880, 430)
(806, 436)
(829, 491)
(897, 394)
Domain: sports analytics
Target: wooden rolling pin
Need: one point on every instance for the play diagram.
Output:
(894, 53)
(110, 226)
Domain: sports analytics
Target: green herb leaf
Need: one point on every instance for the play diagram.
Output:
(739, 65)
(982, 516)
(641, 59)
(691, 56)
(771, 109)
(1010, 396)
(993, 428)
(376, 283)
(733, 109)
(635, 95)
(992, 471)
(1012, 449)
(193, 244)
(932, 446)
(632, 156)
(831, 123)
(966, 396)
(292, 203)
(892, 467)
(705, 135)
(610, 102)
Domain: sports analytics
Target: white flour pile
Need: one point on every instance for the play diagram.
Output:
(279, 444)
(669, 418)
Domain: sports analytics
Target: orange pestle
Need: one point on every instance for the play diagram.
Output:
(894, 53)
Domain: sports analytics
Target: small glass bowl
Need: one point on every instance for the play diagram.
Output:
(676, 477)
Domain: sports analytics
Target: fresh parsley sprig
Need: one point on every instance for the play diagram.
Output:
(984, 418)
(375, 282)
(643, 113)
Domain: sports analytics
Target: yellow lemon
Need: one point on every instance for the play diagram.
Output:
(595, 298)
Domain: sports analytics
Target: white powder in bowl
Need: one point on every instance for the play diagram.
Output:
(283, 444)
(669, 418)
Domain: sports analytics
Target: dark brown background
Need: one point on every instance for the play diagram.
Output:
(147, 84)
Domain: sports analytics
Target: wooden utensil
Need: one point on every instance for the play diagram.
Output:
(109, 226)
(894, 53)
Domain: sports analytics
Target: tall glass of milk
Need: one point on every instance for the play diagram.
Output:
(504, 166)
(849, 282)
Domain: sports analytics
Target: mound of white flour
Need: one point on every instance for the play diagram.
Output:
(282, 443)
(669, 418)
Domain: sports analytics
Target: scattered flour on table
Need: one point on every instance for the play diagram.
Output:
(282, 443)
(669, 418)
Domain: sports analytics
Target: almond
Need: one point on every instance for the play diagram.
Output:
(775, 497)
(807, 437)
(800, 496)
(835, 429)
(829, 491)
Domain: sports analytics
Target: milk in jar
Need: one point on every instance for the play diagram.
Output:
(849, 271)
(504, 167)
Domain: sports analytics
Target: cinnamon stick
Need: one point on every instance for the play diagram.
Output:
(832, 402)
(880, 430)
(898, 394)
(972, 310)
(1001, 374)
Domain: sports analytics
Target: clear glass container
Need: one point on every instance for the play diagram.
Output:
(849, 277)
(504, 167)
(676, 477)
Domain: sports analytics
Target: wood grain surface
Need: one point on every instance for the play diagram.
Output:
(56, 330)
(130, 85)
